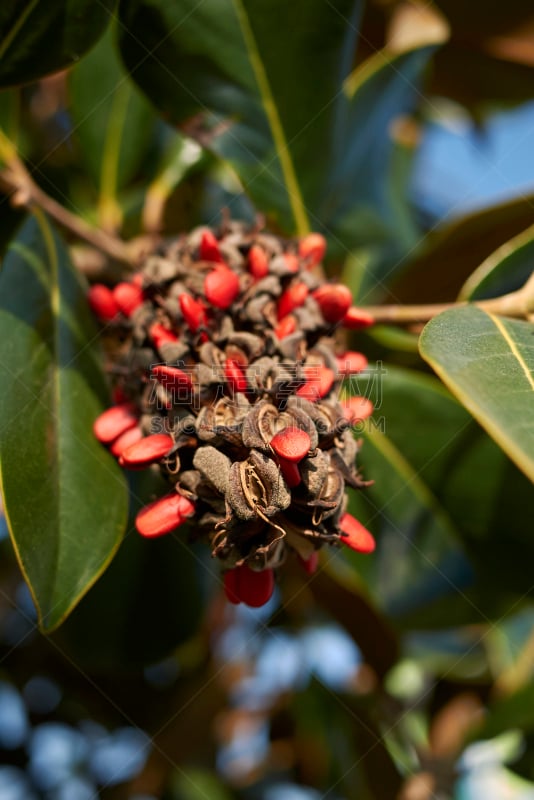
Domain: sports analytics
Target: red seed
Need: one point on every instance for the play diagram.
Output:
(231, 588)
(160, 335)
(172, 378)
(193, 311)
(221, 287)
(114, 422)
(286, 327)
(244, 585)
(235, 376)
(312, 248)
(119, 396)
(290, 471)
(356, 536)
(293, 297)
(310, 564)
(102, 302)
(292, 262)
(356, 409)
(209, 247)
(258, 262)
(334, 300)
(319, 381)
(357, 319)
(128, 297)
(291, 443)
(138, 279)
(255, 588)
(163, 515)
(125, 440)
(351, 362)
(147, 451)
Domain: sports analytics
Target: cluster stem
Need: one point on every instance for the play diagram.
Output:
(518, 304)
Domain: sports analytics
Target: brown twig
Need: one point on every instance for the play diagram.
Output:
(518, 304)
(16, 181)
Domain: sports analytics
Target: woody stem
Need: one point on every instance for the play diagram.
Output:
(519, 304)
(17, 182)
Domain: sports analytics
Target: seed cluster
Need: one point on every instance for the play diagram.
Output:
(226, 376)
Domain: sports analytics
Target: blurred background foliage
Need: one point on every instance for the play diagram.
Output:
(404, 132)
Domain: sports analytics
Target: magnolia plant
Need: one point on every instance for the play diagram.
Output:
(227, 377)
(233, 357)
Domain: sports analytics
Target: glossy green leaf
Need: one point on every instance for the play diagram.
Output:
(37, 38)
(113, 125)
(442, 493)
(228, 68)
(65, 497)
(360, 201)
(148, 602)
(420, 559)
(269, 90)
(10, 102)
(505, 270)
(488, 363)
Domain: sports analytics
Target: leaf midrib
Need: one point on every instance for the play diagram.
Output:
(513, 347)
(413, 482)
(275, 123)
(112, 146)
(487, 420)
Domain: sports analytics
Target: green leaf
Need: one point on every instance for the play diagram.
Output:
(488, 363)
(417, 536)
(505, 270)
(113, 124)
(37, 38)
(10, 107)
(147, 603)
(420, 559)
(64, 495)
(359, 200)
(266, 89)
(442, 494)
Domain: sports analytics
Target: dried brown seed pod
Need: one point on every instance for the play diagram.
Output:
(228, 352)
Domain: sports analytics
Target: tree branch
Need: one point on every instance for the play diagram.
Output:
(519, 304)
(16, 181)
